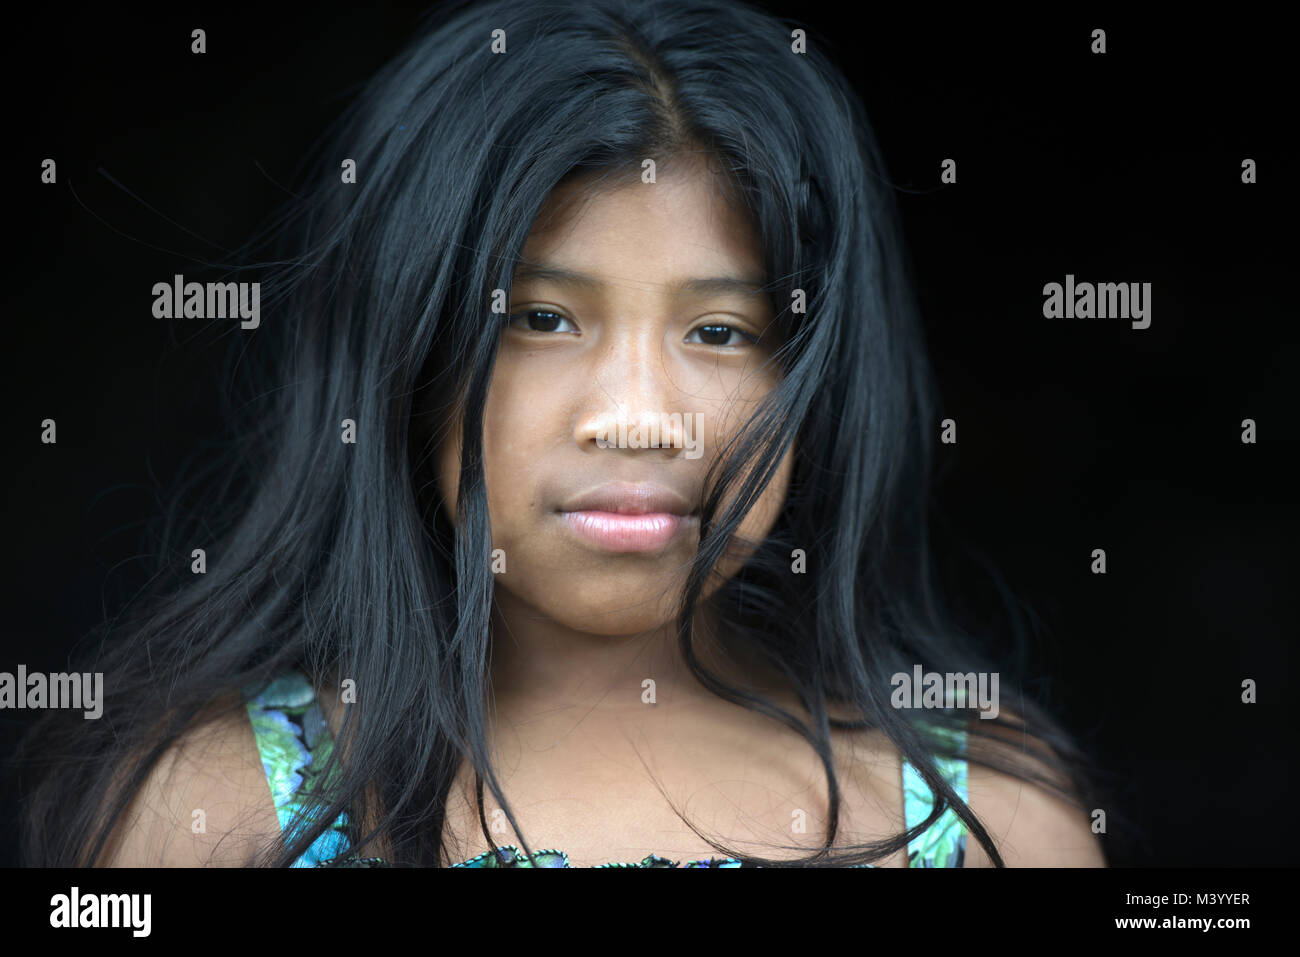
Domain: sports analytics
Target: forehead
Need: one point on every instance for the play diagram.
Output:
(684, 224)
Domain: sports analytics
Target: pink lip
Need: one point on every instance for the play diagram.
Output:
(627, 533)
(629, 498)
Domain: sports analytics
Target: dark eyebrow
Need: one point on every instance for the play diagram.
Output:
(738, 285)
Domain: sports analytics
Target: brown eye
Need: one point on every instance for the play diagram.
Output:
(538, 320)
(720, 335)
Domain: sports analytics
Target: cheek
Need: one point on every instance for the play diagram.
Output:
(519, 426)
(508, 424)
(763, 515)
(757, 524)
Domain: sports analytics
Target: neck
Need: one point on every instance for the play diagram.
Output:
(540, 665)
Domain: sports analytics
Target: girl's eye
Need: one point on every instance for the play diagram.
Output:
(546, 321)
(719, 335)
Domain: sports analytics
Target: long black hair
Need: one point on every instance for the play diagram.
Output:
(335, 558)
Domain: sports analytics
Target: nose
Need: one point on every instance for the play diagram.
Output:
(632, 401)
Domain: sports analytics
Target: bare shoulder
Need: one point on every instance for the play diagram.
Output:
(1031, 826)
(205, 803)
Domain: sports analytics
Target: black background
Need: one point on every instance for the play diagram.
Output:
(1073, 434)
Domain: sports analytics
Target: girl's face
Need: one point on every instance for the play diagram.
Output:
(638, 343)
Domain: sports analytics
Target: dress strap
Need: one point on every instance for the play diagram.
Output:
(943, 844)
(294, 743)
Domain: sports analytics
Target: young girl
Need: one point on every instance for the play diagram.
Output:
(584, 524)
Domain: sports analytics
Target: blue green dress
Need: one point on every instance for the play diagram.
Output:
(295, 744)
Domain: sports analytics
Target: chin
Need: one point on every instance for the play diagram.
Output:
(608, 614)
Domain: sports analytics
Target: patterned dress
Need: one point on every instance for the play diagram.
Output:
(295, 743)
